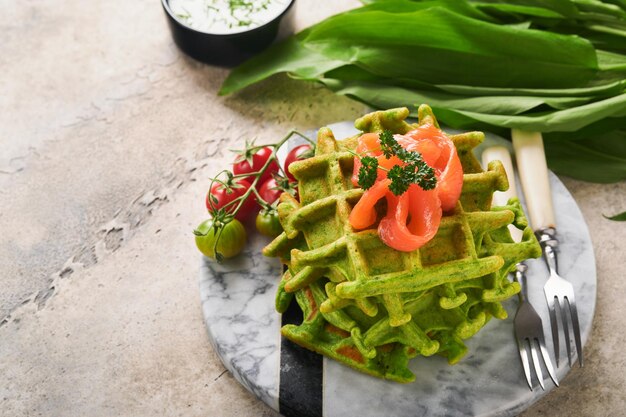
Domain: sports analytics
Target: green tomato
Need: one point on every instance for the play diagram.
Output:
(231, 240)
(267, 223)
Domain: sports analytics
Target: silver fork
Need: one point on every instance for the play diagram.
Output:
(528, 326)
(533, 171)
(529, 333)
(558, 291)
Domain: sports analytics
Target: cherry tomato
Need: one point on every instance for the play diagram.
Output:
(267, 223)
(231, 240)
(270, 191)
(224, 195)
(242, 166)
(295, 155)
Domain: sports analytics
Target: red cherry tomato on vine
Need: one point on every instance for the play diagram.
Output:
(270, 191)
(222, 195)
(295, 155)
(259, 158)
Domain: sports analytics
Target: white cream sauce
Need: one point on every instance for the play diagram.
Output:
(226, 16)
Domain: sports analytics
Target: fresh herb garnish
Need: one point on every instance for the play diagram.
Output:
(388, 144)
(368, 172)
(399, 182)
(414, 171)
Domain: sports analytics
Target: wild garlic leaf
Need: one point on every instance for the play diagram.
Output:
(618, 217)
(452, 46)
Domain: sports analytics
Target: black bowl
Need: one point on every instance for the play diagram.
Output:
(228, 49)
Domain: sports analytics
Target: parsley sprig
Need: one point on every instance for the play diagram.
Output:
(414, 171)
(368, 172)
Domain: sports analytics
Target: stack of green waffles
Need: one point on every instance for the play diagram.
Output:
(371, 307)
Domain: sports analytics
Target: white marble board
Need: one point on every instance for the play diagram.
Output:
(238, 306)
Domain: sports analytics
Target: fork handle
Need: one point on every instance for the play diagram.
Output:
(533, 172)
(520, 278)
(549, 243)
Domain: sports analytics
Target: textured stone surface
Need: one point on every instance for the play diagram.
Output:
(106, 136)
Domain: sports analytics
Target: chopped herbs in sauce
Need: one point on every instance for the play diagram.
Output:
(226, 16)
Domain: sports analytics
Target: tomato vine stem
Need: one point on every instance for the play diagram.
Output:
(226, 214)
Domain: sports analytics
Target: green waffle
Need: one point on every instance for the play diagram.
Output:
(372, 307)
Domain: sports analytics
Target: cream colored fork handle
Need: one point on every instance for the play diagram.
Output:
(500, 198)
(533, 172)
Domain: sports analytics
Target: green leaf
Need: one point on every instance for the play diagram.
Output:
(456, 47)
(562, 120)
(479, 67)
(602, 160)
(539, 59)
(406, 6)
(607, 89)
(289, 56)
(609, 61)
(502, 105)
(611, 126)
(619, 3)
(599, 89)
(520, 25)
(523, 10)
(598, 158)
(598, 7)
(302, 63)
(618, 217)
(500, 111)
(355, 73)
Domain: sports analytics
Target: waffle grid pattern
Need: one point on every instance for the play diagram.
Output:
(374, 308)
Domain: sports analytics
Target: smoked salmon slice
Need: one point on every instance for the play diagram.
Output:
(425, 207)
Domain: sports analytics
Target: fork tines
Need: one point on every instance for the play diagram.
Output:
(529, 334)
(553, 301)
(560, 292)
(523, 352)
(535, 341)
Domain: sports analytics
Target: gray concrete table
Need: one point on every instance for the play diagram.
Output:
(107, 137)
